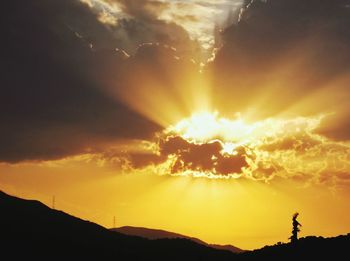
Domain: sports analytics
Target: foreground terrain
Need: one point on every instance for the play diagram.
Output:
(31, 230)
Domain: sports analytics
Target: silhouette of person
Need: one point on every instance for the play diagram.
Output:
(296, 229)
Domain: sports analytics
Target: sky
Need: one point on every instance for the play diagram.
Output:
(214, 119)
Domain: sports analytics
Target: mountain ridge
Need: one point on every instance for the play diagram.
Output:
(151, 233)
(31, 230)
(44, 233)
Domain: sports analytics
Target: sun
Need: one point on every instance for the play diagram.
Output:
(207, 127)
(209, 145)
(204, 126)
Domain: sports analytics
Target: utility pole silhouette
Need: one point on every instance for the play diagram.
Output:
(296, 229)
(53, 202)
(113, 221)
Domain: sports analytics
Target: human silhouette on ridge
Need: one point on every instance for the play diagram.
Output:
(296, 229)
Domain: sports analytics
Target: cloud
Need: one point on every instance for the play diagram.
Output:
(52, 103)
(287, 56)
(202, 19)
(133, 23)
(274, 149)
(66, 87)
(204, 157)
(191, 26)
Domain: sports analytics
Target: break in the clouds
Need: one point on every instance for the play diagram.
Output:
(133, 23)
(202, 20)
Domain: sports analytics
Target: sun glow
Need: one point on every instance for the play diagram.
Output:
(206, 127)
(208, 145)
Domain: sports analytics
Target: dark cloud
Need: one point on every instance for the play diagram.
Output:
(189, 156)
(132, 32)
(298, 142)
(337, 129)
(63, 73)
(282, 51)
(160, 65)
(51, 102)
(139, 161)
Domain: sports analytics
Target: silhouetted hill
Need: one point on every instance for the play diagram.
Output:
(161, 234)
(231, 248)
(312, 248)
(29, 230)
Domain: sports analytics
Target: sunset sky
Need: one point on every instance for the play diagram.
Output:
(216, 119)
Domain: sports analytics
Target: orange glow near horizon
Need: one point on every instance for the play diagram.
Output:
(246, 214)
(288, 175)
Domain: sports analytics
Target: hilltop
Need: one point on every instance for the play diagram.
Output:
(31, 230)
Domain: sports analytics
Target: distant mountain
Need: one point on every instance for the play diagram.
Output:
(227, 247)
(29, 230)
(161, 234)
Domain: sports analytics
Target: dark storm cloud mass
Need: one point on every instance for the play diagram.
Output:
(61, 67)
(283, 51)
(50, 106)
(190, 156)
(205, 157)
(268, 30)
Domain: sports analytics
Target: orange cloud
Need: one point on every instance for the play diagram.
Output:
(284, 148)
(206, 157)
